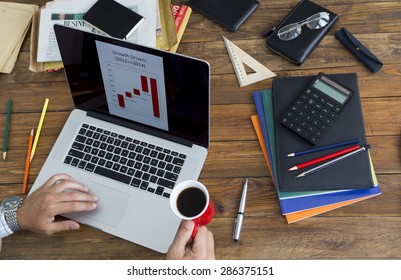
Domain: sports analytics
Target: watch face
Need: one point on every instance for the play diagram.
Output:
(11, 202)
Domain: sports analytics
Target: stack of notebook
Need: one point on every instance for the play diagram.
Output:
(346, 182)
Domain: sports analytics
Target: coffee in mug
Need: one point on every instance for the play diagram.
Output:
(190, 200)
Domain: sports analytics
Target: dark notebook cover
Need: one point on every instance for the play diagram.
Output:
(298, 49)
(230, 14)
(351, 173)
(112, 18)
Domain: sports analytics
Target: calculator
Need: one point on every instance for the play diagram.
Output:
(317, 108)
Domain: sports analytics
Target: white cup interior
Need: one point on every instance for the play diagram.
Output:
(178, 189)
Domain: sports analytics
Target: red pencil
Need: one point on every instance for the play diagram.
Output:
(323, 158)
(27, 162)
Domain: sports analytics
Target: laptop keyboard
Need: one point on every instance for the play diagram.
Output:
(127, 160)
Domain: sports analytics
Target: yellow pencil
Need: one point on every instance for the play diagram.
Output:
(42, 117)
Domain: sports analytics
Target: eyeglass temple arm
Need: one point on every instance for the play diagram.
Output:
(268, 32)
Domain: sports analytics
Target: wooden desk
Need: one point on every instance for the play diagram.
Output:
(367, 230)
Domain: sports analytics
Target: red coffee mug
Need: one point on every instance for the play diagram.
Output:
(190, 200)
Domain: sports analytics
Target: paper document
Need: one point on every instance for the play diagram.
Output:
(69, 13)
(15, 20)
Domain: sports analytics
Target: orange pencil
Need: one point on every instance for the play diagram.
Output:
(27, 163)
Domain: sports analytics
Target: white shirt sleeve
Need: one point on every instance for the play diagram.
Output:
(4, 229)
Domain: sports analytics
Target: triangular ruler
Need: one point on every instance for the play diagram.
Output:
(239, 58)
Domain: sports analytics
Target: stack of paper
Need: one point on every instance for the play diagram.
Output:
(15, 20)
(44, 50)
(300, 204)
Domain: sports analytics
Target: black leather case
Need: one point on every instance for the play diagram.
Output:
(360, 51)
(298, 49)
(230, 14)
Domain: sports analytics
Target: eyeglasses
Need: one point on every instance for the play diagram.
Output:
(293, 30)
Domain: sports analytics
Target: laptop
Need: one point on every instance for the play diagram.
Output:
(140, 126)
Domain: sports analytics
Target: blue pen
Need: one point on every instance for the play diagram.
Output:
(350, 142)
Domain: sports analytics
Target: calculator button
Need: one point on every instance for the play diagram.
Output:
(323, 127)
(306, 134)
(303, 123)
(291, 125)
(318, 106)
(333, 115)
(315, 95)
(322, 99)
(299, 130)
(311, 101)
(289, 114)
(294, 109)
(313, 112)
(314, 139)
(330, 105)
(311, 128)
(285, 120)
(303, 97)
(318, 133)
(325, 110)
(306, 107)
(299, 102)
(328, 121)
(337, 109)
(320, 116)
(301, 113)
(315, 122)
(296, 119)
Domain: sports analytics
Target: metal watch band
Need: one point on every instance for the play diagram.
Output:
(12, 221)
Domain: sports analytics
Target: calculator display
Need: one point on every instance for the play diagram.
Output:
(330, 91)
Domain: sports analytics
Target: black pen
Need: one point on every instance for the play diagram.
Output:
(240, 215)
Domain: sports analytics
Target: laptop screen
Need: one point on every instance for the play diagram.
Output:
(147, 89)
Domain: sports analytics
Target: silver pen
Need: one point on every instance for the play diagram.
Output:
(240, 215)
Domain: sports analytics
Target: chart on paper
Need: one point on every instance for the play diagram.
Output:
(134, 85)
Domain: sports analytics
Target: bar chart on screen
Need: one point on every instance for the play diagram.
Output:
(133, 91)
(134, 85)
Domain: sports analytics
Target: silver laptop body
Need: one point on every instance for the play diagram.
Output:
(132, 205)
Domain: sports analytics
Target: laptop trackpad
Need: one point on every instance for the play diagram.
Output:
(111, 205)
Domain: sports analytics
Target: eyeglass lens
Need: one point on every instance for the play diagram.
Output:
(293, 30)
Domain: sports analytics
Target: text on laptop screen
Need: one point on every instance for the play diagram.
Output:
(166, 92)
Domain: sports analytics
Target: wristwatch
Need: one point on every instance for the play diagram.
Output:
(9, 208)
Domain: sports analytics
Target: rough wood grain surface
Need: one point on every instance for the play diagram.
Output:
(366, 230)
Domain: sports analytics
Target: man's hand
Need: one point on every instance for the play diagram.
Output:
(39, 209)
(183, 248)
